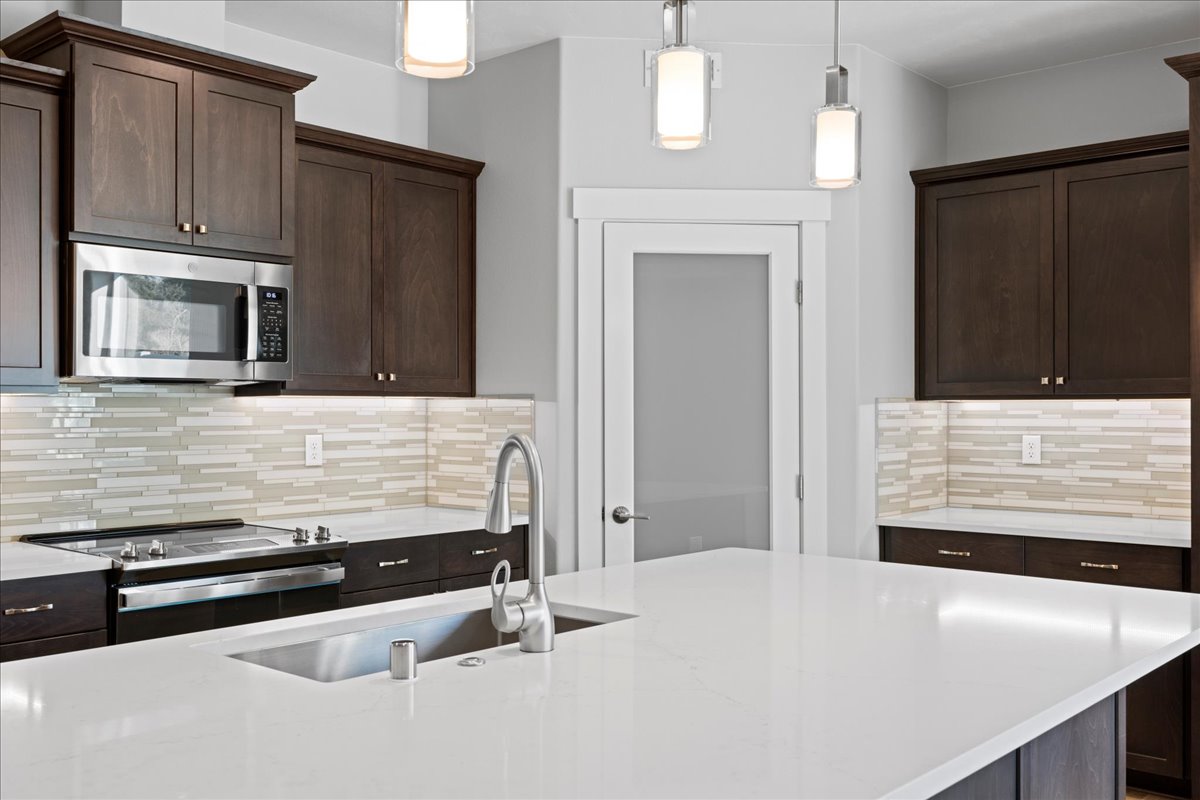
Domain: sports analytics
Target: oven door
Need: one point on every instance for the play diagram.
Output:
(154, 315)
(168, 608)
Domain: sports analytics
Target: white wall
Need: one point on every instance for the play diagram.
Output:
(198, 22)
(1115, 97)
(506, 114)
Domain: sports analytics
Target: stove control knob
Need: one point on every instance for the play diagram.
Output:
(323, 534)
(301, 536)
(129, 550)
(158, 548)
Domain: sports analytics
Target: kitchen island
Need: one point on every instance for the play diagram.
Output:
(740, 673)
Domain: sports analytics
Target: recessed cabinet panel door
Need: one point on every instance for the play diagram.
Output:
(428, 282)
(245, 166)
(1121, 277)
(133, 146)
(336, 299)
(986, 274)
(28, 235)
(1155, 726)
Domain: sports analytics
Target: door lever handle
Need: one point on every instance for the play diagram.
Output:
(621, 515)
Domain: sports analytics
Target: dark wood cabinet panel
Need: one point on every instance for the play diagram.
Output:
(1080, 758)
(338, 305)
(981, 552)
(428, 281)
(53, 646)
(1121, 264)
(29, 163)
(132, 131)
(1147, 566)
(372, 596)
(1155, 721)
(479, 551)
(985, 266)
(390, 562)
(38, 608)
(244, 141)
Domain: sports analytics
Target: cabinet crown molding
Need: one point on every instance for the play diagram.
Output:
(1175, 141)
(59, 28)
(1186, 65)
(317, 136)
(34, 75)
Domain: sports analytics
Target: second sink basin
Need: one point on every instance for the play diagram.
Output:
(350, 655)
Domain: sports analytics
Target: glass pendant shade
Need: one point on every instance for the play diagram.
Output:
(435, 38)
(681, 83)
(837, 139)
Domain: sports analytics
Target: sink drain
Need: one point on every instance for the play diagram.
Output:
(471, 661)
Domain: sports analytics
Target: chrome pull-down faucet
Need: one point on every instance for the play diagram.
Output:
(531, 616)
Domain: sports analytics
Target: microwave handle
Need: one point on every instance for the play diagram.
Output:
(251, 322)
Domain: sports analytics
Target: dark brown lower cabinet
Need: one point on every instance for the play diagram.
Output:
(1157, 719)
(397, 569)
(54, 614)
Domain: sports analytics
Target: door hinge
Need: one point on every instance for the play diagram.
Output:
(799, 293)
(800, 486)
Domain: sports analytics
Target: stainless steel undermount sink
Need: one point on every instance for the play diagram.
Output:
(350, 655)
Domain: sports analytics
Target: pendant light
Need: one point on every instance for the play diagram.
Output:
(435, 38)
(836, 128)
(680, 85)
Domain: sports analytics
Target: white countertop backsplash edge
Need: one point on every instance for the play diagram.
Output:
(1048, 524)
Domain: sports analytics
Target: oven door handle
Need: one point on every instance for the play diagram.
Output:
(219, 587)
(252, 323)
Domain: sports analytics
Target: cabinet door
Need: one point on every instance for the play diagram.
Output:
(1156, 721)
(986, 312)
(336, 302)
(245, 166)
(28, 236)
(1121, 277)
(429, 282)
(133, 147)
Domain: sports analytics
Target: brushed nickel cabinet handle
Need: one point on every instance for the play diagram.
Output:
(186, 227)
(8, 612)
(201, 229)
(378, 376)
(1090, 565)
(397, 563)
(484, 552)
(958, 553)
(1045, 381)
(1059, 381)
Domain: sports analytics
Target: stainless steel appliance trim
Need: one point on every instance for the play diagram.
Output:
(140, 598)
(252, 323)
(278, 276)
(283, 545)
(8, 612)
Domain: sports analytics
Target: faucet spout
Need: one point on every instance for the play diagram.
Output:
(537, 621)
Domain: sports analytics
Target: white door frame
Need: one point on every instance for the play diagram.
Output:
(809, 211)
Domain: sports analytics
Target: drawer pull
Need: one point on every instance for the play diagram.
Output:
(398, 563)
(485, 552)
(958, 553)
(1090, 565)
(8, 612)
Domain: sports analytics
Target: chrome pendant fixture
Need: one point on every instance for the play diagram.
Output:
(435, 38)
(836, 128)
(680, 85)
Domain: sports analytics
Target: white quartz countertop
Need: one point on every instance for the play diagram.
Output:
(1051, 525)
(392, 523)
(744, 673)
(21, 560)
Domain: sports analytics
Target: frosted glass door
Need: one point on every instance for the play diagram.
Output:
(701, 389)
(701, 405)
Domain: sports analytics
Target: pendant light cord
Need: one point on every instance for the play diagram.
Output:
(680, 10)
(837, 8)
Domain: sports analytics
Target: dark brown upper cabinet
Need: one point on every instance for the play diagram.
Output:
(1061, 274)
(29, 221)
(384, 269)
(172, 144)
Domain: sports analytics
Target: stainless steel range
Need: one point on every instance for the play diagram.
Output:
(182, 578)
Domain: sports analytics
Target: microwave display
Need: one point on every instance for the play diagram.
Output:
(272, 324)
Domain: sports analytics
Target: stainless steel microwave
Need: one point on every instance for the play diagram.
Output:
(157, 316)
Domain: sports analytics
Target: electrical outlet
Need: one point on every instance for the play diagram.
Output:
(314, 454)
(1031, 449)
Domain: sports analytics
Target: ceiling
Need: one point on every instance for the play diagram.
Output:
(949, 41)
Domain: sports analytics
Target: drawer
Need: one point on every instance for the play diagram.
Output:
(39, 608)
(472, 552)
(53, 646)
(982, 552)
(352, 599)
(472, 581)
(390, 562)
(1144, 565)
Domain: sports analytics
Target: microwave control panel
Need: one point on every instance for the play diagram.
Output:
(272, 324)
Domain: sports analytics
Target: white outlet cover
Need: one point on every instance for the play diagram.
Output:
(1031, 449)
(314, 455)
